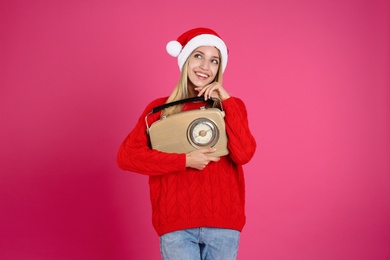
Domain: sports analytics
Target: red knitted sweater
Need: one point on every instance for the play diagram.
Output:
(188, 198)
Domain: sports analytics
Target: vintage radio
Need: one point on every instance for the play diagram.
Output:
(189, 130)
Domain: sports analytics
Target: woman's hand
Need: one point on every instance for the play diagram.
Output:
(215, 90)
(199, 159)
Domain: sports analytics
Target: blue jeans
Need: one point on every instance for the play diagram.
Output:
(200, 243)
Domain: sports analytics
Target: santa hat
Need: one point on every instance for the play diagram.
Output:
(194, 38)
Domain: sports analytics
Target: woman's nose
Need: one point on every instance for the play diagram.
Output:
(204, 65)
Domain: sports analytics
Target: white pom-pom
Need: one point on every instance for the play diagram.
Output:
(174, 48)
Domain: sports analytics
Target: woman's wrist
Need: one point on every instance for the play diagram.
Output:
(225, 97)
(188, 160)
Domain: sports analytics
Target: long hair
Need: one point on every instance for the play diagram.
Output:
(181, 89)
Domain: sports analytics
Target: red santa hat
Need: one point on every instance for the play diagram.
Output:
(194, 38)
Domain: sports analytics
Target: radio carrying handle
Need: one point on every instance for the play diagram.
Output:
(192, 99)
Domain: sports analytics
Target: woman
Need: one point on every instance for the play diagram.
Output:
(197, 199)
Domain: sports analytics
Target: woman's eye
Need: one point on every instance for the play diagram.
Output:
(215, 61)
(198, 56)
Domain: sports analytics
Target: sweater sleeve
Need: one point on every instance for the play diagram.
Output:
(241, 144)
(135, 154)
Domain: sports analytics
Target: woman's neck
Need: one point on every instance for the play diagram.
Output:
(191, 91)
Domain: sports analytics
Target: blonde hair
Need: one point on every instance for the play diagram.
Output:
(181, 89)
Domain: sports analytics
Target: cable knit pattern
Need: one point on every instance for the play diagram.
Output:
(184, 197)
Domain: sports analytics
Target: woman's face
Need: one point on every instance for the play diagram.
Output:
(203, 66)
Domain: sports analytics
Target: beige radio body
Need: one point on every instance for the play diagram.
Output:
(190, 130)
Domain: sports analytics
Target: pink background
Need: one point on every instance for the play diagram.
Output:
(75, 76)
